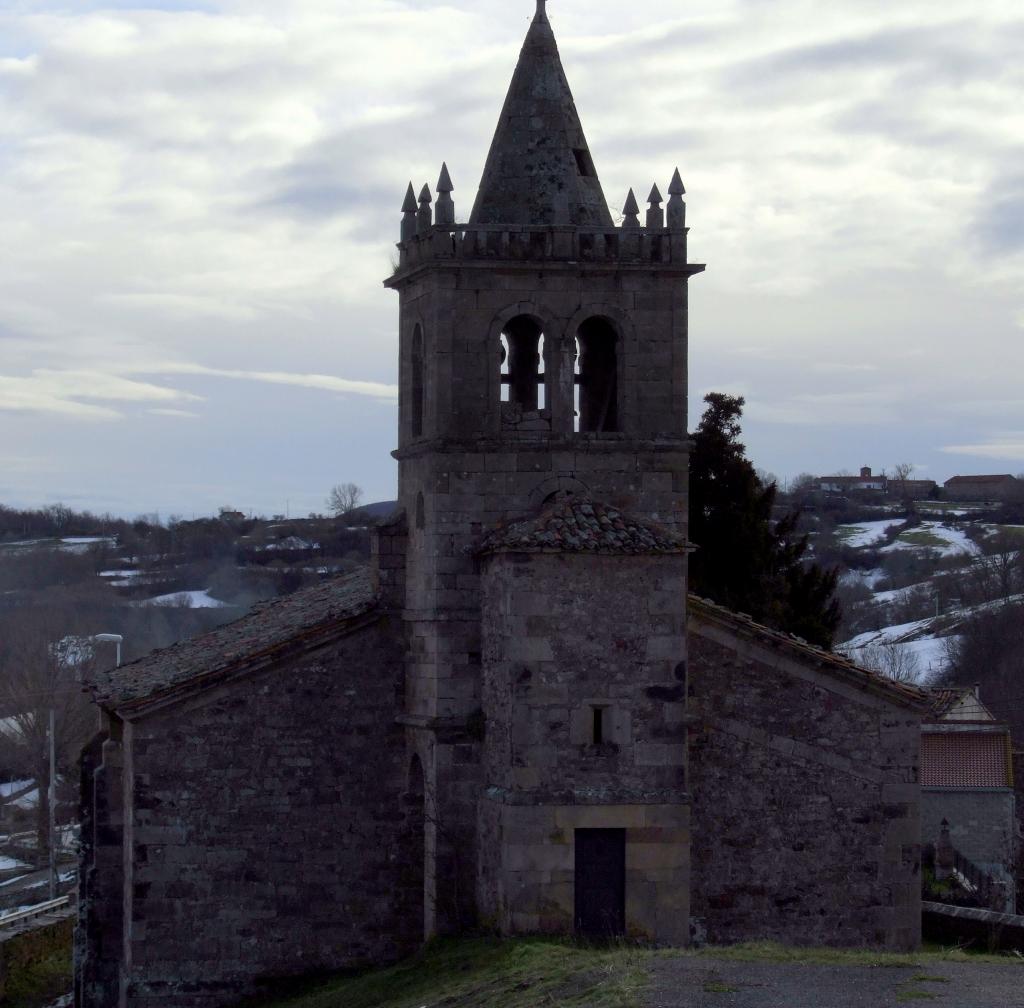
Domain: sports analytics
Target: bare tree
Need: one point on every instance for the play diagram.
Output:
(901, 474)
(894, 661)
(40, 662)
(343, 498)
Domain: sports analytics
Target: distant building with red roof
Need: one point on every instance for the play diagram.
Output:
(967, 781)
(984, 488)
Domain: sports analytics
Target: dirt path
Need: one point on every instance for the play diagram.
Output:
(707, 982)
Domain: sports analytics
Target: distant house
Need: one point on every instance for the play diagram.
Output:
(984, 488)
(967, 783)
(866, 482)
(912, 489)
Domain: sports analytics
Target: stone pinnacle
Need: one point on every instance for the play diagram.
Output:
(409, 206)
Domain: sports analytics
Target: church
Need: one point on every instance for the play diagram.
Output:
(516, 719)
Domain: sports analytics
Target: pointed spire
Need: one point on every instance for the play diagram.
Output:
(542, 12)
(631, 211)
(539, 170)
(410, 206)
(409, 209)
(425, 217)
(676, 205)
(445, 211)
(655, 214)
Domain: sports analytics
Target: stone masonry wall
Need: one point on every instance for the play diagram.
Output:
(267, 830)
(99, 935)
(564, 633)
(805, 801)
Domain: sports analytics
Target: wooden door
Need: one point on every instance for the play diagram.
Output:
(600, 882)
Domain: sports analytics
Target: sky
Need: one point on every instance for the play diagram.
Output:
(199, 202)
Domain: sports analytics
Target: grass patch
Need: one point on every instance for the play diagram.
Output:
(925, 978)
(530, 973)
(40, 982)
(915, 995)
(719, 988)
(1012, 531)
(923, 539)
(772, 952)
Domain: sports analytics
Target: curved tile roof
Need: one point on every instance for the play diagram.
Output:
(268, 629)
(701, 609)
(577, 525)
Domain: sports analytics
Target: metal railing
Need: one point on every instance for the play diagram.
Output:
(39, 910)
(981, 890)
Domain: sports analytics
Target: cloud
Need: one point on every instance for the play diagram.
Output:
(61, 392)
(325, 383)
(1000, 220)
(1007, 447)
(853, 176)
(180, 414)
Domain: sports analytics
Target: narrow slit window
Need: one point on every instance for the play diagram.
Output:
(416, 422)
(576, 390)
(506, 380)
(541, 385)
(599, 726)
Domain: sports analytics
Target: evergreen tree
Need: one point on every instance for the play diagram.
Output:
(744, 561)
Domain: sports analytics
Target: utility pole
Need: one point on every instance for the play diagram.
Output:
(52, 797)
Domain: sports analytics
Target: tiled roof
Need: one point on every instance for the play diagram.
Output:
(577, 525)
(966, 759)
(267, 630)
(910, 696)
(955, 480)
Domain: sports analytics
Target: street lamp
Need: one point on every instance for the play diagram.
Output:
(111, 638)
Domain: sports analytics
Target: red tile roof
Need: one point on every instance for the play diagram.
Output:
(957, 480)
(966, 759)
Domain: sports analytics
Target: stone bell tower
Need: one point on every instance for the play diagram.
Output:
(543, 359)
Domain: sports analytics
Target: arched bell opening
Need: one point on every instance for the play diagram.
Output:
(597, 376)
(523, 375)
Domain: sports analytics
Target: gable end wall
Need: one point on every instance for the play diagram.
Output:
(267, 829)
(805, 802)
